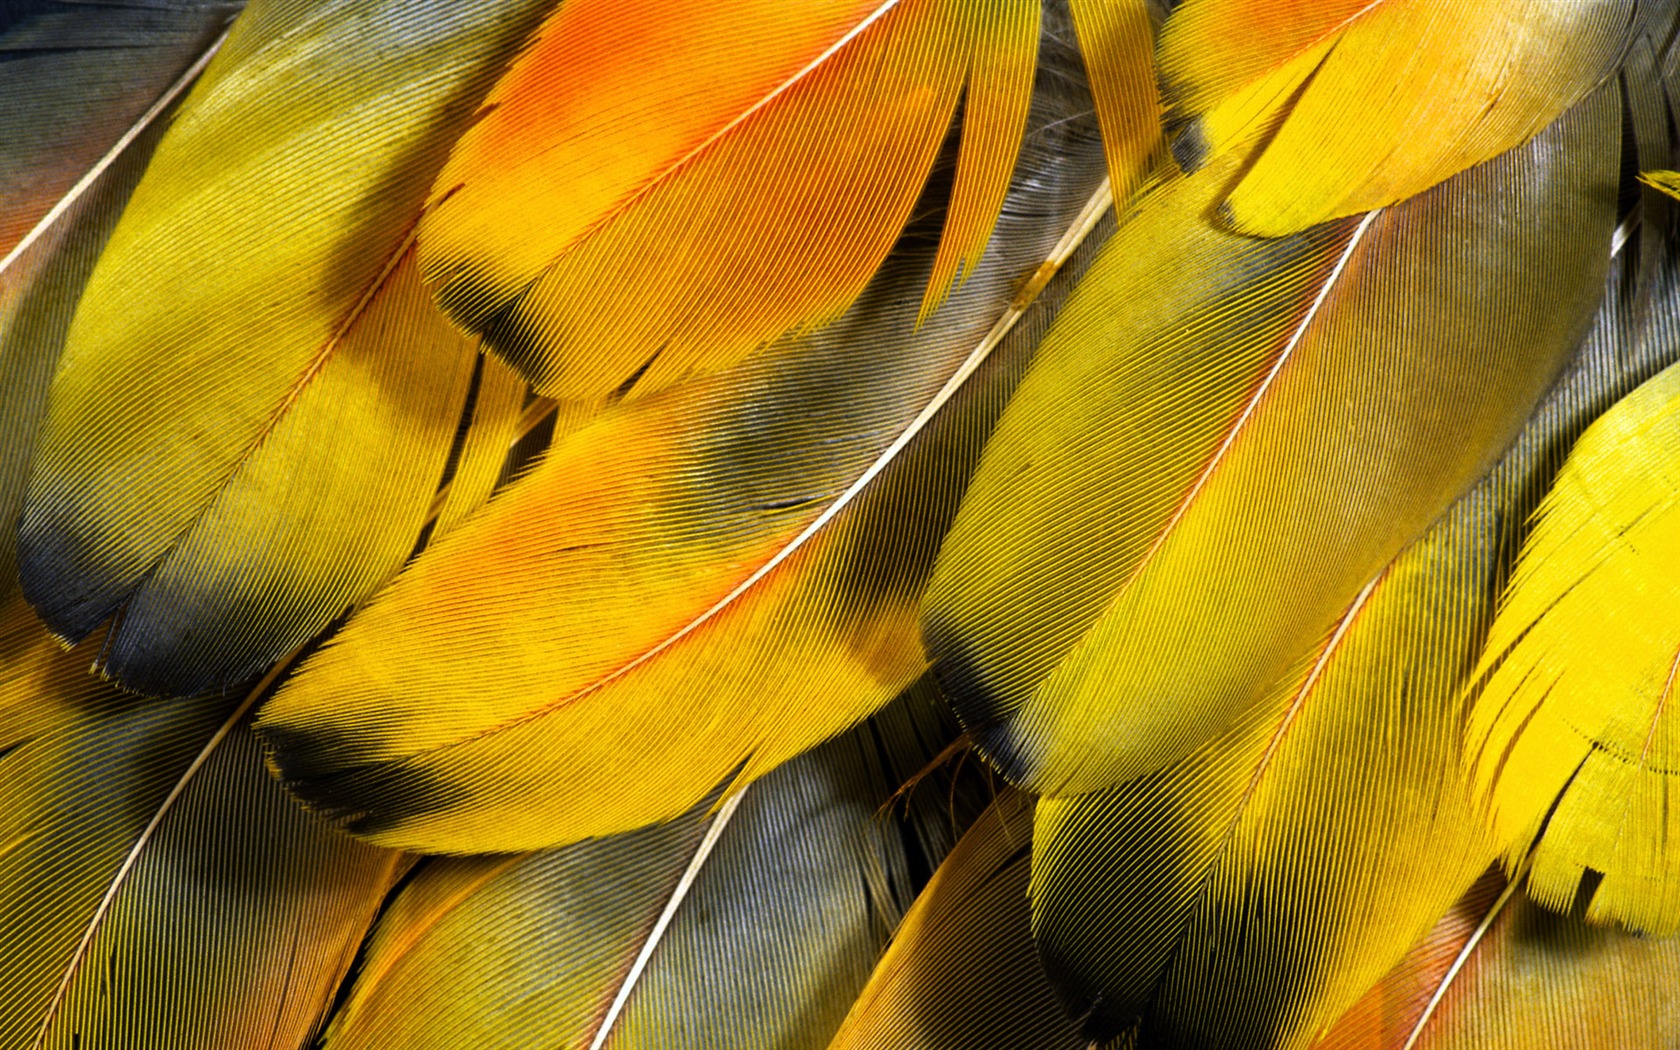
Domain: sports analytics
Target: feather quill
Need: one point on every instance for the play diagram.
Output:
(1199, 473)
(750, 924)
(158, 889)
(696, 585)
(1247, 896)
(257, 292)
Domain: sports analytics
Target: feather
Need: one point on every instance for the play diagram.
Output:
(494, 421)
(961, 973)
(1198, 474)
(680, 243)
(1395, 1008)
(1247, 896)
(1569, 722)
(157, 889)
(1116, 39)
(1540, 980)
(70, 107)
(1574, 731)
(1152, 395)
(241, 310)
(691, 586)
(1459, 84)
(1666, 181)
(753, 924)
(74, 135)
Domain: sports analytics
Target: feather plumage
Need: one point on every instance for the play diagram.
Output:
(802, 287)
(157, 889)
(74, 135)
(696, 226)
(241, 309)
(1390, 1015)
(1328, 830)
(961, 973)
(1367, 102)
(1575, 733)
(752, 924)
(736, 561)
(1543, 981)
(1199, 473)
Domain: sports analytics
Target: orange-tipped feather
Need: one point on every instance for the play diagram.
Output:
(1368, 102)
(656, 190)
(692, 586)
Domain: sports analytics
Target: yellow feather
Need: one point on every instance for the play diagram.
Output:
(1368, 102)
(961, 971)
(692, 586)
(1577, 738)
(1540, 981)
(1248, 895)
(752, 925)
(1223, 439)
(157, 889)
(255, 295)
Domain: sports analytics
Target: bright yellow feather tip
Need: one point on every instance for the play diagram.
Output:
(839, 524)
(1577, 727)
(1666, 181)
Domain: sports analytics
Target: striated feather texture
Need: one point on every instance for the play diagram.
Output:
(692, 586)
(961, 973)
(1363, 103)
(74, 134)
(699, 225)
(747, 924)
(159, 890)
(1577, 741)
(569, 524)
(1248, 894)
(257, 293)
(1543, 980)
(1200, 472)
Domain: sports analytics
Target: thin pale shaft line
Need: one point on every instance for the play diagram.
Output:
(1619, 236)
(1076, 234)
(66, 202)
(139, 847)
(725, 813)
(1465, 953)
(1330, 650)
(1236, 429)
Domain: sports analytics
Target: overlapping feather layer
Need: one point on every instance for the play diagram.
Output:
(623, 440)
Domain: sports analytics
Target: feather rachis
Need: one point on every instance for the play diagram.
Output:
(645, 500)
(1277, 837)
(209, 508)
(1077, 563)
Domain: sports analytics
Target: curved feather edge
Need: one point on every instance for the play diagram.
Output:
(1248, 895)
(180, 475)
(747, 924)
(44, 265)
(1576, 737)
(1577, 813)
(731, 172)
(961, 972)
(1364, 104)
(1168, 457)
(784, 535)
(159, 888)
